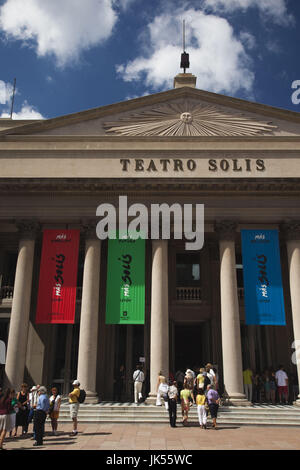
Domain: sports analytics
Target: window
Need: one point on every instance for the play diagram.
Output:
(187, 270)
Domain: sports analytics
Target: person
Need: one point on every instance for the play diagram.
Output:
(179, 377)
(201, 401)
(210, 374)
(22, 415)
(5, 409)
(40, 415)
(55, 401)
(213, 400)
(185, 396)
(13, 412)
(74, 405)
(119, 384)
(162, 390)
(189, 382)
(216, 378)
(172, 401)
(200, 379)
(282, 384)
(247, 378)
(138, 379)
(272, 387)
(33, 398)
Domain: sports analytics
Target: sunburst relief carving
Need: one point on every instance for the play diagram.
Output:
(187, 119)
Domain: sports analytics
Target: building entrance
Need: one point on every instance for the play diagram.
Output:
(191, 345)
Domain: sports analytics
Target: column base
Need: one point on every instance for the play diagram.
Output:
(91, 398)
(151, 399)
(236, 400)
(297, 402)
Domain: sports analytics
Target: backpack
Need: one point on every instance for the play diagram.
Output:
(82, 396)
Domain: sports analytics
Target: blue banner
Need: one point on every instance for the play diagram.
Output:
(263, 293)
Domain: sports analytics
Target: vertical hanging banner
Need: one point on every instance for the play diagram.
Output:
(125, 291)
(263, 292)
(58, 277)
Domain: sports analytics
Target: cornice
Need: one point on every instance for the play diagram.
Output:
(136, 186)
(150, 144)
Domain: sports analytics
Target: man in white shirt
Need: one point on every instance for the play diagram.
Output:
(282, 384)
(138, 379)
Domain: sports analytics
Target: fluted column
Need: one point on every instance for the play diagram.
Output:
(159, 333)
(230, 318)
(292, 233)
(20, 311)
(88, 336)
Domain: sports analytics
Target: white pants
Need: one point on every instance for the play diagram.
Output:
(248, 391)
(202, 416)
(159, 397)
(137, 391)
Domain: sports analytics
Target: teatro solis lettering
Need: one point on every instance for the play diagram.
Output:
(182, 165)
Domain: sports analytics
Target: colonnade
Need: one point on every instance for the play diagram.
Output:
(159, 340)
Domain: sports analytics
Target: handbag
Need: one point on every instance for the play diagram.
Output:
(51, 407)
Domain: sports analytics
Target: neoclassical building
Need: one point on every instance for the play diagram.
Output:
(240, 159)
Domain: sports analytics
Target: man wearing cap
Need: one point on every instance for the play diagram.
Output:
(74, 405)
(40, 415)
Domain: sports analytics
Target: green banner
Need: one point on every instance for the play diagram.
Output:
(125, 291)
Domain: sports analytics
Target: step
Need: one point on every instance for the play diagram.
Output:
(108, 412)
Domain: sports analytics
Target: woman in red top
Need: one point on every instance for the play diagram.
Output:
(5, 408)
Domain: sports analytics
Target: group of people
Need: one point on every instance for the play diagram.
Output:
(272, 386)
(200, 389)
(20, 409)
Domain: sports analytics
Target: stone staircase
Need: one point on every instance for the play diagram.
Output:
(111, 412)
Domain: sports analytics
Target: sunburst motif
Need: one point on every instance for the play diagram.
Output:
(187, 119)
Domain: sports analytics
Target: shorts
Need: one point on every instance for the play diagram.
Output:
(74, 407)
(213, 408)
(283, 390)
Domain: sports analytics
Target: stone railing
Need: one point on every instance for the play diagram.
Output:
(188, 294)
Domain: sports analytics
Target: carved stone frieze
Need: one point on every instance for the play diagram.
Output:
(188, 119)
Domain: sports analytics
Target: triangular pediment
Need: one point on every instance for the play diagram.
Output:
(181, 112)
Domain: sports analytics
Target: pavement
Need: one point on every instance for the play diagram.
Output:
(154, 437)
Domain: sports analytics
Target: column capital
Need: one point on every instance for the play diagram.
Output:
(28, 228)
(226, 229)
(88, 229)
(291, 229)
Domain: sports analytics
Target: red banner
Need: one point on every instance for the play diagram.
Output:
(58, 277)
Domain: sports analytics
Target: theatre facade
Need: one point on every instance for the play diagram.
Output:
(241, 160)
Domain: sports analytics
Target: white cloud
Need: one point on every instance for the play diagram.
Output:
(62, 28)
(274, 10)
(6, 90)
(26, 112)
(217, 57)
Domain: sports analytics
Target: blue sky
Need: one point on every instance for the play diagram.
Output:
(72, 55)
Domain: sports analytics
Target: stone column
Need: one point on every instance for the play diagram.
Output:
(230, 317)
(20, 311)
(88, 335)
(292, 232)
(159, 333)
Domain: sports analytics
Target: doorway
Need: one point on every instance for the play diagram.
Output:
(192, 345)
